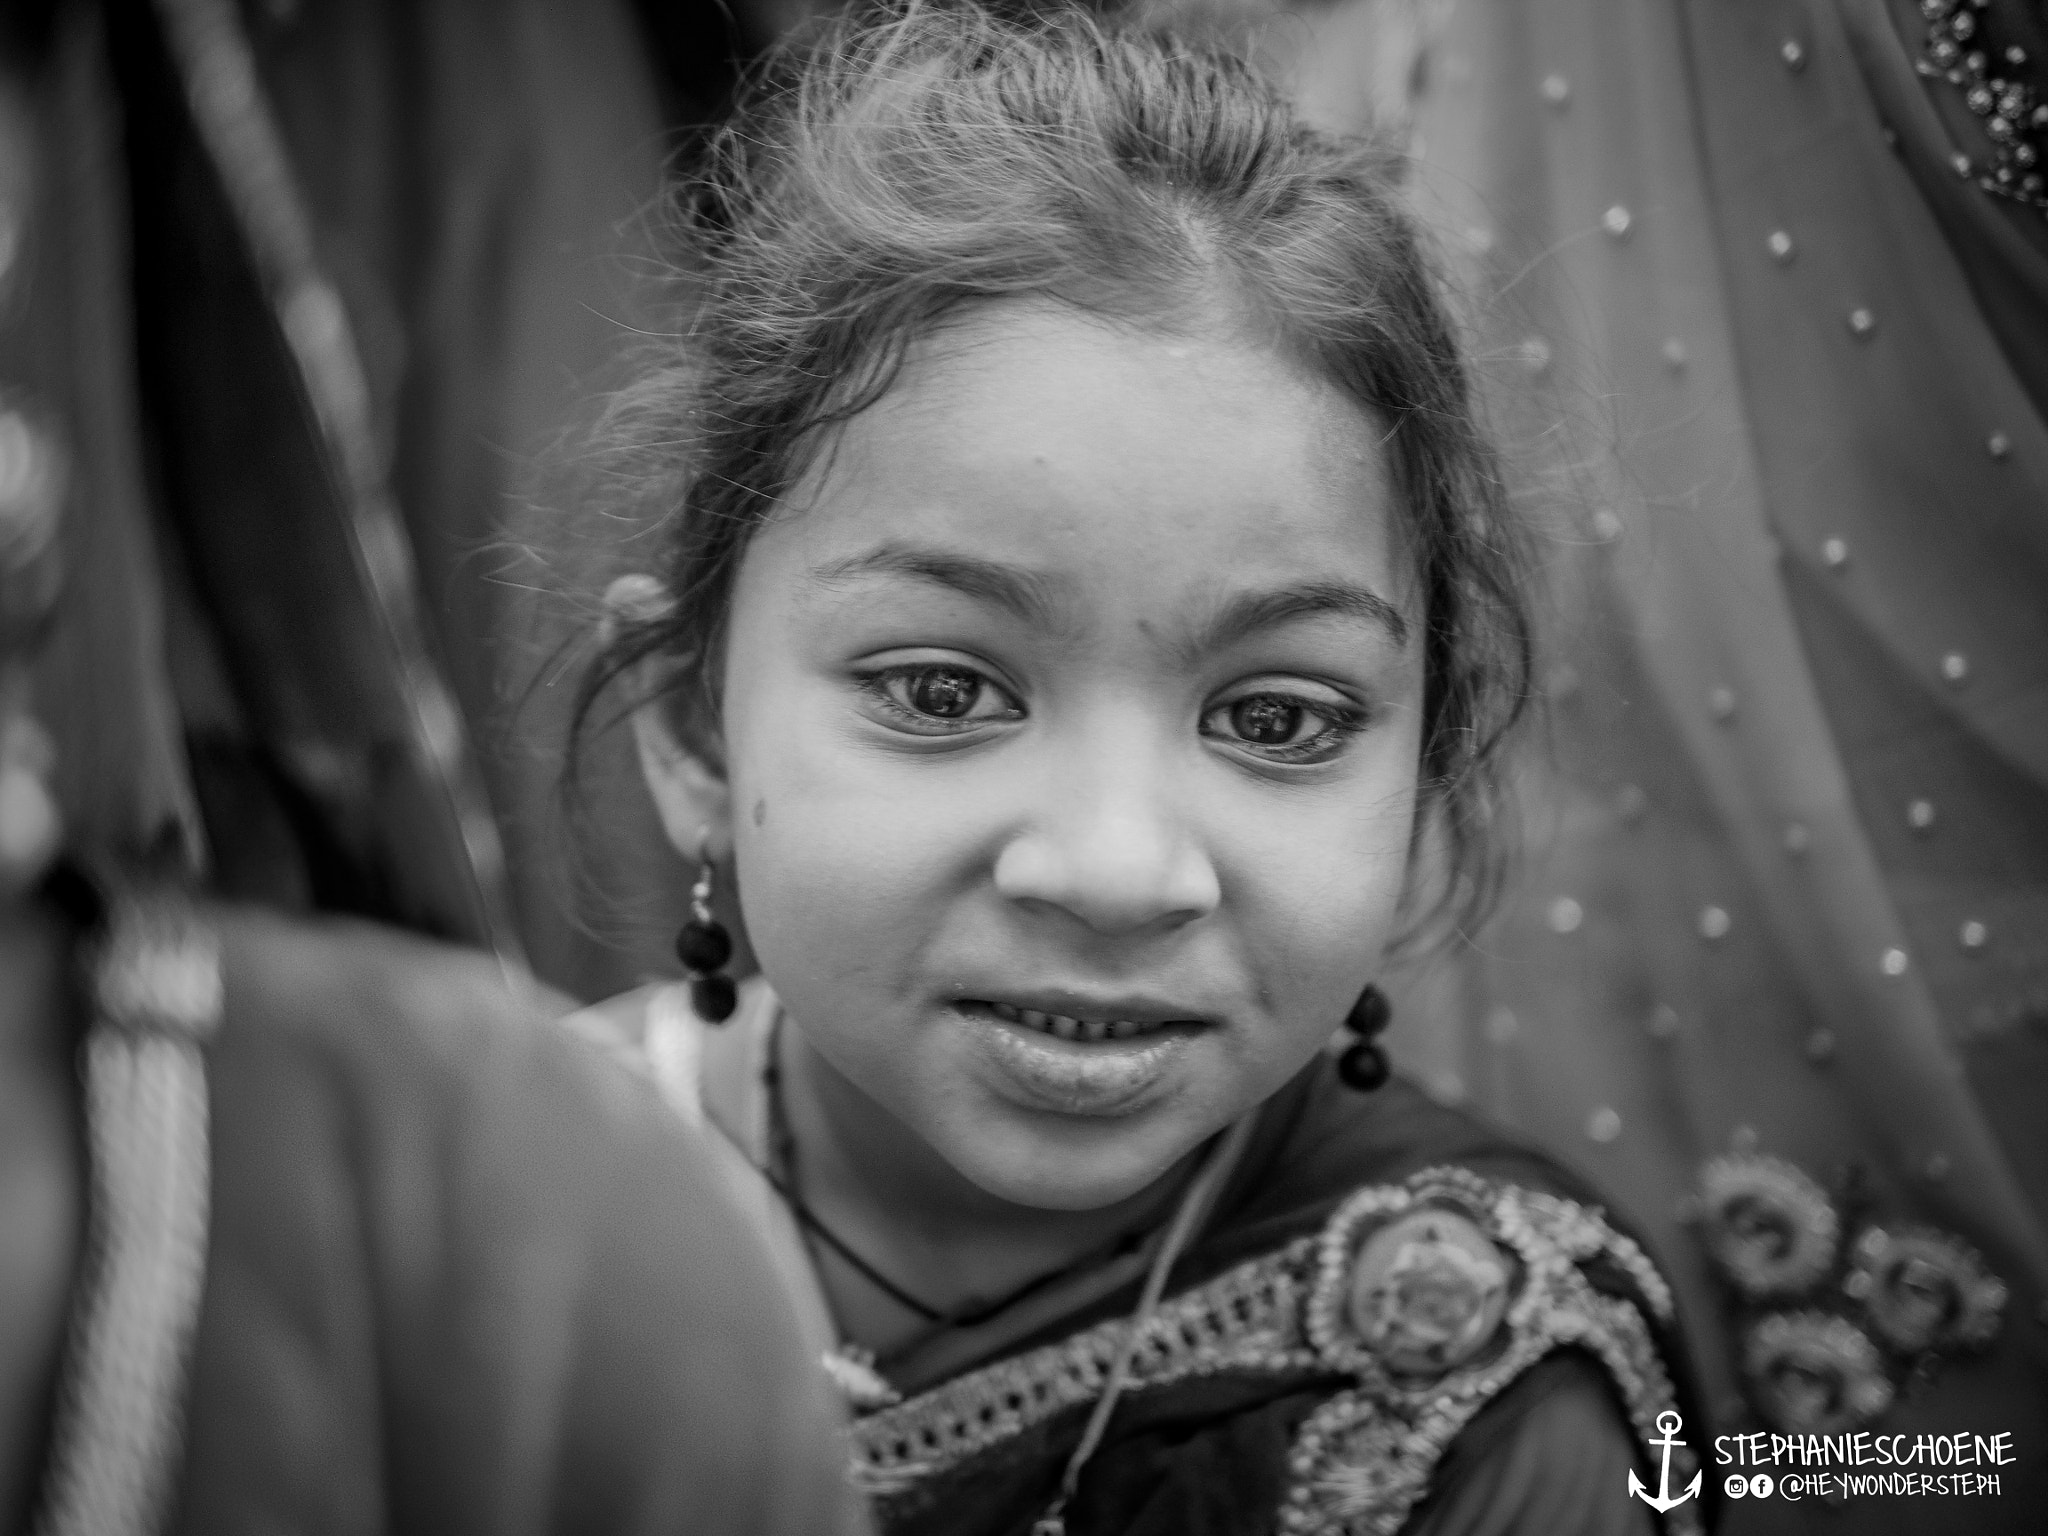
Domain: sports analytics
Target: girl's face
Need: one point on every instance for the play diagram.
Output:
(1072, 715)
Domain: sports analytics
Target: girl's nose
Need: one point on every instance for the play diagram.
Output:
(1112, 854)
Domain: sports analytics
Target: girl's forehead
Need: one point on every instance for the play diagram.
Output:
(1033, 436)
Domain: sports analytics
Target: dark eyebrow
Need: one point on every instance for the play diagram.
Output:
(1028, 595)
(1251, 612)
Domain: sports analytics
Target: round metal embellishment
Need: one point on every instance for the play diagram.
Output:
(1924, 1290)
(1812, 1373)
(1427, 1292)
(1769, 1228)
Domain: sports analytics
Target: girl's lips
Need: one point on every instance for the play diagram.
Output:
(1095, 1067)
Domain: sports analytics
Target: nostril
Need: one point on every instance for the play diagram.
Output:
(1117, 878)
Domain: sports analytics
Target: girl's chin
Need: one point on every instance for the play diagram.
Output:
(1050, 1168)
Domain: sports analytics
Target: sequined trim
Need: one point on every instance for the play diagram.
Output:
(1839, 1330)
(1997, 86)
(1922, 1289)
(1366, 1455)
(1813, 1373)
(156, 986)
(1361, 1461)
(1246, 1321)
(1769, 1228)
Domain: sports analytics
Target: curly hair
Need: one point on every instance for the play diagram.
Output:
(901, 167)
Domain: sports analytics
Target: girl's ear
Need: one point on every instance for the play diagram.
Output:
(689, 793)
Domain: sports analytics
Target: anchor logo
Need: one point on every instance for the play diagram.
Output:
(1664, 1500)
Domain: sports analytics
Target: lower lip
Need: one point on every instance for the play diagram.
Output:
(1100, 1078)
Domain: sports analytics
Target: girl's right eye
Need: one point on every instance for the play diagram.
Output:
(939, 697)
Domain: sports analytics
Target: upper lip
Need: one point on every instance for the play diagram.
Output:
(1073, 1003)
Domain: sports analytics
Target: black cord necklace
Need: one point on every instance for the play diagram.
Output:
(782, 1177)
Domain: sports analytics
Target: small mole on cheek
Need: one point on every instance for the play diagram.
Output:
(760, 812)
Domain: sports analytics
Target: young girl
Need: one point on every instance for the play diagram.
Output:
(1085, 592)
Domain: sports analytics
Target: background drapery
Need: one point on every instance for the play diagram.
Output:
(1762, 361)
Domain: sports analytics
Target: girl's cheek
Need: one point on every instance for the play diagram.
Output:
(845, 870)
(1326, 918)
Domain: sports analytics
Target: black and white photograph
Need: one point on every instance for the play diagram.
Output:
(1024, 767)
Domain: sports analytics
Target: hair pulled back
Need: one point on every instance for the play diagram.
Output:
(900, 168)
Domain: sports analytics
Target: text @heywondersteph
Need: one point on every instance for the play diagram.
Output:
(1863, 1464)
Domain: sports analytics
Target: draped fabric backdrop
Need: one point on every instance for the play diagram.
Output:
(1771, 375)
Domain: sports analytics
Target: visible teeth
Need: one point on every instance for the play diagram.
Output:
(1085, 1030)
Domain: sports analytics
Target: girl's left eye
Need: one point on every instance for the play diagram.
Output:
(940, 696)
(1284, 727)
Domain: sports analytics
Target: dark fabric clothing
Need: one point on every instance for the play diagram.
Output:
(467, 1275)
(1211, 1454)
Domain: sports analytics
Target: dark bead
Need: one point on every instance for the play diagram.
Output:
(1370, 1014)
(714, 998)
(703, 947)
(75, 895)
(1364, 1067)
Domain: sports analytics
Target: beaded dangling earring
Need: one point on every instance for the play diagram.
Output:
(1363, 1064)
(704, 946)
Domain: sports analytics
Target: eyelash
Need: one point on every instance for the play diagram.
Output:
(1340, 723)
(876, 686)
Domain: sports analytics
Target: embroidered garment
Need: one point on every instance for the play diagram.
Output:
(1390, 1321)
